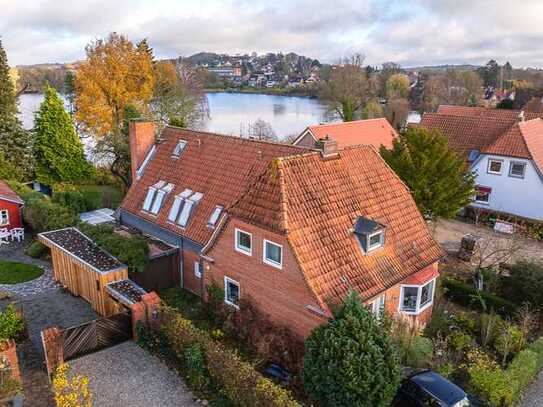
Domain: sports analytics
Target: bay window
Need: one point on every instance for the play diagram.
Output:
(416, 298)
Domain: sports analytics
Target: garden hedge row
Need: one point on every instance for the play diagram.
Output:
(237, 379)
(505, 387)
(469, 296)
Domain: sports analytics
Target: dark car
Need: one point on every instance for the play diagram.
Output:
(429, 389)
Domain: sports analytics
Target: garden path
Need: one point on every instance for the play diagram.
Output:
(15, 251)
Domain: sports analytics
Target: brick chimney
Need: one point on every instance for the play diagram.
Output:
(141, 137)
(328, 147)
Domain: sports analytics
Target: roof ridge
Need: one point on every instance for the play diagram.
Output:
(349, 122)
(233, 137)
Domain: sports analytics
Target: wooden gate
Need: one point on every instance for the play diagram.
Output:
(96, 335)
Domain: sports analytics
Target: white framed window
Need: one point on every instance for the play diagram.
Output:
(517, 169)
(197, 271)
(157, 203)
(214, 216)
(231, 292)
(244, 242)
(416, 298)
(149, 198)
(377, 306)
(273, 254)
(482, 194)
(375, 240)
(495, 166)
(4, 217)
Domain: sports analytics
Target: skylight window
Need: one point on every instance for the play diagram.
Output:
(188, 207)
(151, 194)
(181, 144)
(143, 165)
(177, 203)
(214, 216)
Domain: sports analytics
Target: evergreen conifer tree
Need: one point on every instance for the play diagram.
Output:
(58, 151)
(8, 105)
(440, 180)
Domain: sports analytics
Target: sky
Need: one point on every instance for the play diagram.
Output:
(409, 32)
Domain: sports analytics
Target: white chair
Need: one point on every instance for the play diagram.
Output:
(17, 233)
(4, 236)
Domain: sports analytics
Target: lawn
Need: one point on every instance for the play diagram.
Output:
(13, 273)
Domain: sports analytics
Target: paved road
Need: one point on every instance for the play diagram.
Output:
(534, 395)
(128, 376)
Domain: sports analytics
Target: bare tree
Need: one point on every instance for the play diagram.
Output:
(490, 252)
(261, 130)
(347, 89)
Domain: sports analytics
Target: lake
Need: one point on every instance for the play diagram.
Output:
(232, 113)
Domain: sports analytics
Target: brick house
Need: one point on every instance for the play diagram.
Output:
(11, 208)
(374, 132)
(291, 228)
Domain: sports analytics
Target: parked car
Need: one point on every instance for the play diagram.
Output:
(427, 388)
(278, 374)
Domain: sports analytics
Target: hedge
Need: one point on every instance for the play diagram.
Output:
(505, 387)
(235, 378)
(465, 294)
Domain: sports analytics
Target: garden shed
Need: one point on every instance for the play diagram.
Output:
(84, 268)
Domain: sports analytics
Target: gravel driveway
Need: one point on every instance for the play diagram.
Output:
(128, 376)
(449, 232)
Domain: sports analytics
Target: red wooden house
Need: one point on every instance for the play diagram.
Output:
(11, 208)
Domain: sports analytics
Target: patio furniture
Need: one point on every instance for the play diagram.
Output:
(17, 233)
(4, 236)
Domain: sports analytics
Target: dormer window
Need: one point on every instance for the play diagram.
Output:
(183, 205)
(180, 146)
(370, 234)
(151, 195)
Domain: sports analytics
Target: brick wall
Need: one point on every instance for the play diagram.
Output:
(190, 281)
(282, 294)
(142, 137)
(8, 350)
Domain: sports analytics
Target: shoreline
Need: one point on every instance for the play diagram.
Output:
(268, 92)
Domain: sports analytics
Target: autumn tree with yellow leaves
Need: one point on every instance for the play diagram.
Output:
(116, 74)
(116, 77)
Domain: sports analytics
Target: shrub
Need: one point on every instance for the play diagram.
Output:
(11, 324)
(195, 365)
(525, 284)
(505, 387)
(509, 340)
(459, 341)
(70, 392)
(235, 378)
(41, 214)
(351, 361)
(465, 322)
(413, 349)
(36, 249)
(468, 296)
(132, 251)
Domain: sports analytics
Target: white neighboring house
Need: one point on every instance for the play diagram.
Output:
(506, 155)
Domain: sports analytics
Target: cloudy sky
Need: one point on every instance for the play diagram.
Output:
(411, 32)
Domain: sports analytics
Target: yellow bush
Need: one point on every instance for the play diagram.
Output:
(71, 391)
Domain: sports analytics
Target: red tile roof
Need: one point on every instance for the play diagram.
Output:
(315, 203)
(506, 114)
(218, 166)
(8, 194)
(491, 131)
(375, 132)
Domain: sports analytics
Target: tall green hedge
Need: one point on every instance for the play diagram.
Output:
(469, 296)
(236, 379)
